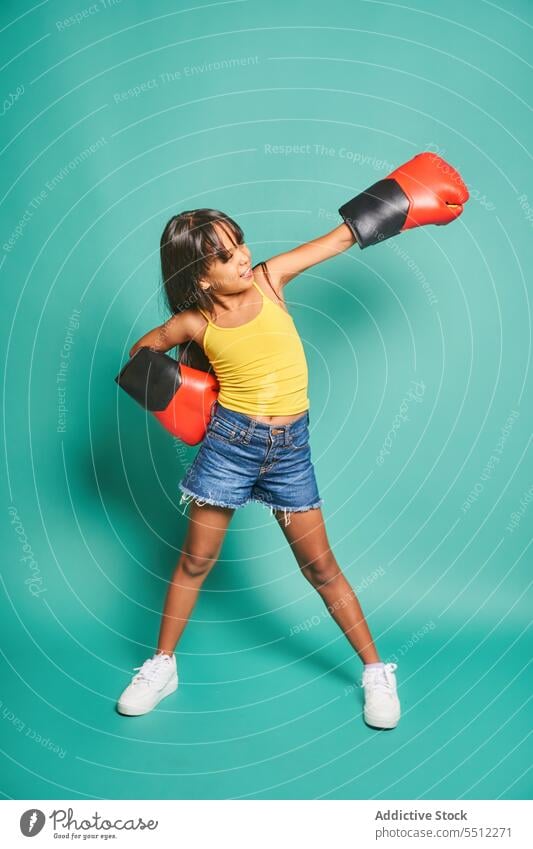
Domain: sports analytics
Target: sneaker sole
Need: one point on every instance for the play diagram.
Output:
(133, 710)
(380, 723)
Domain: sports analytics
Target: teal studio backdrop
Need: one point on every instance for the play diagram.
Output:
(117, 115)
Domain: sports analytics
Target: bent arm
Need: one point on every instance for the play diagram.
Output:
(284, 267)
(173, 332)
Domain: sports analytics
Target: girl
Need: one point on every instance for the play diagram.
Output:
(232, 317)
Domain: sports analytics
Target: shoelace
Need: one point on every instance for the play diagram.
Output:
(149, 670)
(381, 678)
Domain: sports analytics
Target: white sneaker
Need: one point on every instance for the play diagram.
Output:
(382, 706)
(156, 679)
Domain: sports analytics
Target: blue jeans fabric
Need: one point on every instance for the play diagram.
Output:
(242, 460)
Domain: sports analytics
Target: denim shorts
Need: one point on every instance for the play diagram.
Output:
(242, 460)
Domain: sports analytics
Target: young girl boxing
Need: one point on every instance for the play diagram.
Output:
(231, 315)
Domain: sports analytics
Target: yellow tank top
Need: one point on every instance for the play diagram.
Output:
(261, 365)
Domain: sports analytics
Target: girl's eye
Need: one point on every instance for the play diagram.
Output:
(225, 257)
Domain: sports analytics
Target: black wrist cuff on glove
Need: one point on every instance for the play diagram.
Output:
(377, 213)
(152, 378)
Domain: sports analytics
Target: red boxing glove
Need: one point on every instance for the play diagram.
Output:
(426, 190)
(180, 397)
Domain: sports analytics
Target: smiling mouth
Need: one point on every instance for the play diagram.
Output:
(246, 272)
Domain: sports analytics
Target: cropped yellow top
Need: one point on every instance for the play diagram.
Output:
(261, 365)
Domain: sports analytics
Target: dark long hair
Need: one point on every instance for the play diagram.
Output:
(189, 244)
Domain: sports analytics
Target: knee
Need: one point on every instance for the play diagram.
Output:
(322, 569)
(196, 565)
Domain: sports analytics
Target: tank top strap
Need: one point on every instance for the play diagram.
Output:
(266, 272)
(258, 287)
(263, 265)
(204, 314)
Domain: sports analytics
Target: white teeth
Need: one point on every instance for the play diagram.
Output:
(246, 272)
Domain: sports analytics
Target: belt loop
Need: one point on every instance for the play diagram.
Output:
(249, 432)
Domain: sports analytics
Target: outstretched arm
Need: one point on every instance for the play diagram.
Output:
(283, 267)
(425, 190)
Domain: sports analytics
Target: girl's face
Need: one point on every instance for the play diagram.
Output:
(233, 274)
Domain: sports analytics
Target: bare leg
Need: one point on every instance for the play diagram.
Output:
(201, 549)
(307, 537)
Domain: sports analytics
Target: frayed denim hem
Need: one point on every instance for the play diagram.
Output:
(187, 496)
(287, 510)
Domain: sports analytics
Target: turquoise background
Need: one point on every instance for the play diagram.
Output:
(262, 711)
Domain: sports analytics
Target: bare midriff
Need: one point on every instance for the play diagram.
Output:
(277, 419)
